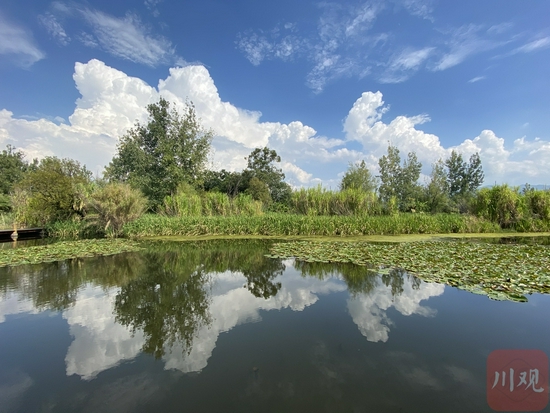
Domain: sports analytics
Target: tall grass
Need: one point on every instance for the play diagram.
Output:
(321, 201)
(210, 204)
(287, 224)
(6, 220)
(523, 211)
(69, 230)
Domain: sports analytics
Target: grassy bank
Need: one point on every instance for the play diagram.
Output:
(287, 224)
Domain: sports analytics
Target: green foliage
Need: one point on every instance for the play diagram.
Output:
(259, 191)
(187, 203)
(230, 183)
(12, 169)
(538, 203)
(6, 220)
(463, 177)
(321, 201)
(72, 229)
(112, 205)
(501, 204)
(286, 224)
(170, 149)
(399, 181)
(5, 203)
(358, 177)
(60, 251)
(507, 206)
(261, 164)
(244, 204)
(184, 203)
(437, 190)
(55, 190)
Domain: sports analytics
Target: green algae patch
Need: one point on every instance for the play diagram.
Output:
(500, 271)
(66, 250)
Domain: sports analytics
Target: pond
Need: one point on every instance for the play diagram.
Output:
(217, 326)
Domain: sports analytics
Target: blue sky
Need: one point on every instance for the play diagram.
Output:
(325, 84)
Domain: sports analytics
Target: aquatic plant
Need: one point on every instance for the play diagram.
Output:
(501, 271)
(65, 250)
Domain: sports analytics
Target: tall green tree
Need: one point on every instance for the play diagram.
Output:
(437, 190)
(261, 164)
(390, 172)
(409, 190)
(358, 176)
(171, 148)
(398, 181)
(230, 183)
(463, 177)
(457, 170)
(475, 173)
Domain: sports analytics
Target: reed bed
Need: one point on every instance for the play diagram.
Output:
(273, 224)
(322, 201)
(210, 204)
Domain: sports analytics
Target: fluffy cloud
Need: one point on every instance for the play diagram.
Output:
(522, 161)
(111, 102)
(369, 312)
(99, 342)
(17, 44)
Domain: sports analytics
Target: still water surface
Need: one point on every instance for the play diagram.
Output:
(217, 327)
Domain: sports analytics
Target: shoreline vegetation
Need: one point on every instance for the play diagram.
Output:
(158, 184)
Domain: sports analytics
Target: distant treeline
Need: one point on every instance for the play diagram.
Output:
(161, 167)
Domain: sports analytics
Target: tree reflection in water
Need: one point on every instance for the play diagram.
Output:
(165, 290)
(360, 280)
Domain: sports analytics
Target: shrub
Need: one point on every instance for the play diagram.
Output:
(113, 205)
(55, 190)
(501, 204)
(538, 203)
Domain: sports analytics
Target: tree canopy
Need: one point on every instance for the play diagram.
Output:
(399, 182)
(358, 176)
(171, 148)
(261, 164)
(463, 177)
(12, 168)
(55, 190)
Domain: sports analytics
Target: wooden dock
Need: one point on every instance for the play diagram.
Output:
(22, 233)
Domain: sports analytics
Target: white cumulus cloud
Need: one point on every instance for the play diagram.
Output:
(515, 163)
(111, 102)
